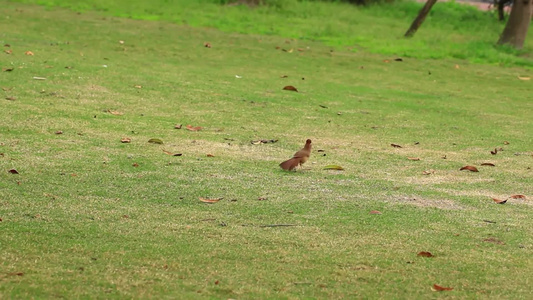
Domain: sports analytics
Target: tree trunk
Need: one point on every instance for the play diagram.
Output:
(515, 31)
(420, 18)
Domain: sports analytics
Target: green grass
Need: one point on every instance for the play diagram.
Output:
(450, 31)
(81, 221)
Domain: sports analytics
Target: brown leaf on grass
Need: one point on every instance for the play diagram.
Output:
(438, 288)
(284, 76)
(210, 155)
(11, 98)
(15, 274)
(488, 164)
(290, 88)
(7, 45)
(135, 165)
(413, 158)
(518, 197)
(116, 113)
(469, 168)
(207, 45)
(398, 59)
(505, 142)
(9, 51)
(6, 89)
(396, 146)
(262, 198)
(257, 142)
(13, 171)
(444, 157)
(171, 154)
(375, 212)
(178, 126)
(498, 201)
(457, 67)
(7, 69)
(193, 128)
(386, 61)
(494, 240)
(125, 140)
(524, 78)
(29, 53)
(138, 86)
(206, 200)
(428, 172)
(494, 152)
(59, 132)
(425, 254)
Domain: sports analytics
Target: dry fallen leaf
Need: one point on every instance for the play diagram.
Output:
(29, 53)
(171, 154)
(138, 86)
(125, 140)
(498, 201)
(155, 141)
(413, 158)
(59, 132)
(284, 76)
(457, 66)
(15, 274)
(505, 142)
(428, 172)
(396, 146)
(11, 98)
(386, 61)
(333, 167)
(210, 155)
(177, 126)
(488, 164)
(205, 200)
(193, 128)
(439, 288)
(13, 171)
(518, 197)
(135, 165)
(524, 78)
(469, 168)
(290, 88)
(7, 69)
(375, 212)
(116, 113)
(494, 152)
(8, 51)
(207, 45)
(493, 240)
(425, 254)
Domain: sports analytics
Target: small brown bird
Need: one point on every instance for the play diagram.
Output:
(299, 158)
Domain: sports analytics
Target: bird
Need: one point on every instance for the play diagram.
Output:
(299, 158)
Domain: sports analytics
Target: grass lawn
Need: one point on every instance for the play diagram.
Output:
(88, 216)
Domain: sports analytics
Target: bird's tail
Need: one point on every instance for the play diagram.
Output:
(290, 164)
